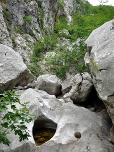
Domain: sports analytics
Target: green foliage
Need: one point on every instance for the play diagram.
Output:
(19, 30)
(5, 12)
(14, 43)
(60, 4)
(47, 43)
(26, 38)
(84, 23)
(24, 47)
(83, 7)
(1, 42)
(14, 119)
(41, 17)
(65, 61)
(27, 19)
(61, 23)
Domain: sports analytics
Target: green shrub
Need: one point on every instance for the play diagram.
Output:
(65, 61)
(14, 119)
(61, 23)
(47, 43)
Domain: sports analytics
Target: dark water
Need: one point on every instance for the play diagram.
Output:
(43, 135)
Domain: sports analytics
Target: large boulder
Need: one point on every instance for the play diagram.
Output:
(12, 69)
(100, 61)
(81, 87)
(49, 83)
(78, 129)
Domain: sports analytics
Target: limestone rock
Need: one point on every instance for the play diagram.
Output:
(4, 34)
(23, 44)
(33, 27)
(100, 61)
(50, 9)
(49, 83)
(16, 10)
(24, 15)
(74, 119)
(67, 85)
(81, 88)
(12, 69)
(69, 7)
(70, 119)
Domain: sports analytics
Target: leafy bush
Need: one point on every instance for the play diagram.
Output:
(61, 23)
(65, 61)
(47, 43)
(14, 119)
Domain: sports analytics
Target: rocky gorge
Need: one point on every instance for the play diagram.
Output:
(73, 108)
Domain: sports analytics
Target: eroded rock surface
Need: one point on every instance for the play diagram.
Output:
(100, 61)
(70, 120)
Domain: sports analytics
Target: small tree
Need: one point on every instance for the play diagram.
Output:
(14, 119)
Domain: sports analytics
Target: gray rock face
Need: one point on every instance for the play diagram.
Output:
(78, 129)
(69, 7)
(12, 69)
(32, 27)
(4, 34)
(16, 10)
(50, 9)
(24, 46)
(49, 83)
(81, 88)
(24, 15)
(100, 61)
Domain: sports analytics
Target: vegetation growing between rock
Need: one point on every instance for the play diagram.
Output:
(27, 19)
(85, 20)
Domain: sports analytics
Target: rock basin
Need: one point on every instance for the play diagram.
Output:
(43, 130)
